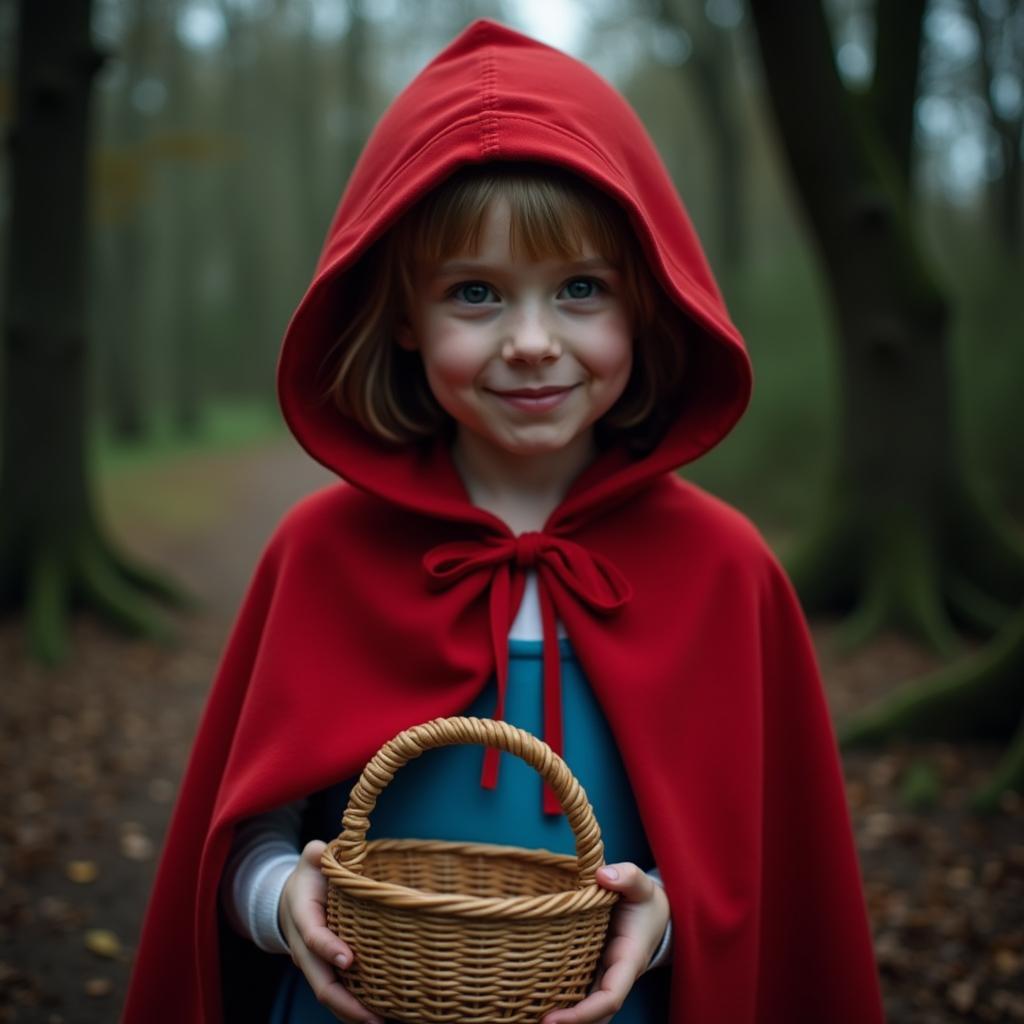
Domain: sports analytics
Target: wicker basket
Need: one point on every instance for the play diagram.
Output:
(466, 932)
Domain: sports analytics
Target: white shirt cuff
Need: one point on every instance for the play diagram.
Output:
(663, 954)
(264, 853)
(265, 900)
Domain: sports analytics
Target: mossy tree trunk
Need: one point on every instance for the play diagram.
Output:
(1000, 30)
(123, 371)
(184, 231)
(905, 543)
(248, 97)
(53, 549)
(710, 71)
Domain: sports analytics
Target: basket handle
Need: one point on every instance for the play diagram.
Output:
(443, 732)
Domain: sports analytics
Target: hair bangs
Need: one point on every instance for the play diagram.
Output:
(550, 218)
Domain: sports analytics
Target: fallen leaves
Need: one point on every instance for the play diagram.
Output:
(944, 888)
(102, 942)
(87, 763)
(91, 751)
(98, 988)
(82, 872)
(135, 844)
(963, 995)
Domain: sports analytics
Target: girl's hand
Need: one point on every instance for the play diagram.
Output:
(314, 947)
(637, 925)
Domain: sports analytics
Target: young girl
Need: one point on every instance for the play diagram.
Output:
(511, 342)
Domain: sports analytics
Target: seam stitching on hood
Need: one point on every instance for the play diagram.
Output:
(566, 133)
(435, 140)
(461, 123)
(489, 95)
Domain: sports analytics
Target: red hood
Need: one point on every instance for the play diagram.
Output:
(494, 94)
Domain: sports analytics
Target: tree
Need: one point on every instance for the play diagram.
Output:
(186, 220)
(1001, 60)
(906, 541)
(53, 548)
(121, 246)
(708, 68)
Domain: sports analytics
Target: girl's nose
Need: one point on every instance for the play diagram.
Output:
(530, 340)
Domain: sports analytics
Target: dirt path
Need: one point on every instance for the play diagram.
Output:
(91, 753)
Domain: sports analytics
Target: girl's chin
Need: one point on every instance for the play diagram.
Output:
(532, 441)
(542, 446)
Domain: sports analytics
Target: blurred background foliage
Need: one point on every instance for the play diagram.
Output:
(223, 131)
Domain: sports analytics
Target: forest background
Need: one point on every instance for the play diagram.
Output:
(220, 137)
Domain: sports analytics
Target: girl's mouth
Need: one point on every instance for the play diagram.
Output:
(535, 399)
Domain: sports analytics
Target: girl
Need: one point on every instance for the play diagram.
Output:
(511, 341)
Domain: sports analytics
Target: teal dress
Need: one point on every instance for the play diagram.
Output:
(510, 814)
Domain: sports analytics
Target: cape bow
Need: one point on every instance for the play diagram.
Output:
(583, 575)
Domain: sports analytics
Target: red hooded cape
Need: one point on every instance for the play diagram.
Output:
(358, 624)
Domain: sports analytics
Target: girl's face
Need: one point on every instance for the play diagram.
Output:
(526, 355)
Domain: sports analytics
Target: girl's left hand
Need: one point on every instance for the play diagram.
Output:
(635, 931)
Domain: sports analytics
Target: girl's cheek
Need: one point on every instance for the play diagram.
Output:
(609, 345)
(454, 365)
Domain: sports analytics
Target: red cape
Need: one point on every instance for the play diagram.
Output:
(358, 623)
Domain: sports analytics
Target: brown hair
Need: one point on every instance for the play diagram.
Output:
(383, 386)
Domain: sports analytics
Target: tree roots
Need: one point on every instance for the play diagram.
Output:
(981, 697)
(925, 575)
(90, 572)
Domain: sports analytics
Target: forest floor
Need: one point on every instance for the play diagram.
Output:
(91, 754)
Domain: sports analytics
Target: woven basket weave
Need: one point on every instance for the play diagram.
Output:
(474, 933)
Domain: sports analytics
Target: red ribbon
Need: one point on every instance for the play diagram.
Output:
(588, 577)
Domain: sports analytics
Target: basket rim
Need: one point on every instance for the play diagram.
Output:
(563, 902)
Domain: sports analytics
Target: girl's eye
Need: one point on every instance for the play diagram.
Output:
(582, 288)
(474, 293)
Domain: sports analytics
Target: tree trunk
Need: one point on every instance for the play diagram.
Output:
(907, 543)
(904, 543)
(300, 126)
(52, 548)
(122, 254)
(1008, 207)
(246, 196)
(709, 69)
(356, 58)
(185, 231)
(711, 60)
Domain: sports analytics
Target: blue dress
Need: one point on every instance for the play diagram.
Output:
(510, 814)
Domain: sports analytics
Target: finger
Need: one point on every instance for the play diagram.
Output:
(309, 920)
(628, 880)
(331, 993)
(603, 1002)
(312, 852)
(594, 1008)
(326, 945)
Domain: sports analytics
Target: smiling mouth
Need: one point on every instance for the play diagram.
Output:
(534, 401)
(534, 393)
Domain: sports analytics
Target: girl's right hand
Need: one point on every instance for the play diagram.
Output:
(315, 949)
